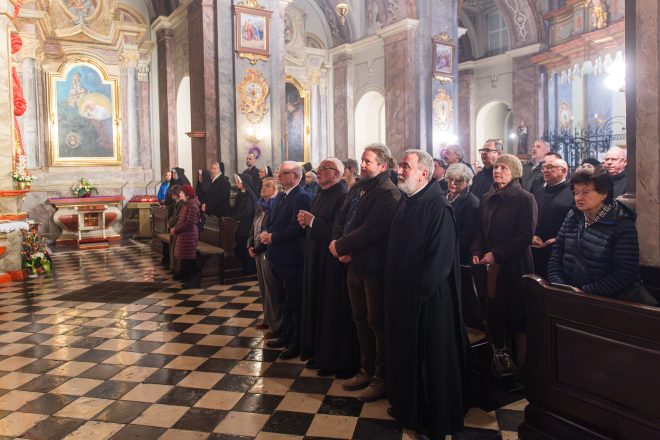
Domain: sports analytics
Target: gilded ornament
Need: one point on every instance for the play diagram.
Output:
(253, 91)
(443, 110)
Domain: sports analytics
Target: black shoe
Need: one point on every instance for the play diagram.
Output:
(177, 277)
(310, 364)
(277, 343)
(289, 353)
(325, 373)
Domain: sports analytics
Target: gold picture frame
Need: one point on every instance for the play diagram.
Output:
(298, 130)
(443, 57)
(83, 112)
(252, 30)
(253, 91)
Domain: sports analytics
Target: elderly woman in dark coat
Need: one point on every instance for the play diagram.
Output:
(508, 221)
(465, 206)
(244, 208)
(187, 236)
(597, 249)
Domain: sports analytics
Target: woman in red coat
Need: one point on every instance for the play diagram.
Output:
(187, 236)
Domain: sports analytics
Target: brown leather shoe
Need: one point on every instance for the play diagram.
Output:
(270, 335)
(357, 382)
(375, 390)
(262, 326)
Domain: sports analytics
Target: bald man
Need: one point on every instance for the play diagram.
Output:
(554, 200)
(532, 170)
(615, 162)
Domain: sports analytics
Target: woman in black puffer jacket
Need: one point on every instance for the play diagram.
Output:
(597, 248)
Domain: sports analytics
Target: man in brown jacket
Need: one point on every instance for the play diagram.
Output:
(361, 233)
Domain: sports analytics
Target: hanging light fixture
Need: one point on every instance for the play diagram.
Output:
(342, 11)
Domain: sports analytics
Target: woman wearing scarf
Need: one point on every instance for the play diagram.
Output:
(267, 285)
(244, 207)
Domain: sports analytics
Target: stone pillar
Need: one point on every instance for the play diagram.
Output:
(203, 63)
(6, 107)
(344, 109)
(527, 100)
(647, 101)
(323, 127)
(278, 122)
(466, 112)
(144, 103)
(166, 97)
(317, 153)
(29, 123)
(129, 61)
(401, 86)
(226, 89)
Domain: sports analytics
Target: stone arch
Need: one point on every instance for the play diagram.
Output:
(523, 20)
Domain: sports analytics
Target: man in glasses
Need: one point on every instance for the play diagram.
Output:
(532, 178)
(554, 200)
(615, 163)
(482, 182)
(328, 336)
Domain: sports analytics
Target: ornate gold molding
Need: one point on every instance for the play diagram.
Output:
(253, 91)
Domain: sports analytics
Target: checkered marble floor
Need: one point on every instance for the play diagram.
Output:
(110, 347)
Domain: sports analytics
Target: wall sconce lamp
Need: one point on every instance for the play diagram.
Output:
(255, 135)
(342, 11)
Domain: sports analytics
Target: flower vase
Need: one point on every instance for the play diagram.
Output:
(86, 195)
(21, 185)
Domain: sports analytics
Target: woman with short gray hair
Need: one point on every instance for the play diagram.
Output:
(465, 205)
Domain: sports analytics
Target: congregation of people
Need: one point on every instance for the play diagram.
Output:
(358, 261)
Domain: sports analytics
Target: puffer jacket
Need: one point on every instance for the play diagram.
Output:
(186, 230)
(602, 259)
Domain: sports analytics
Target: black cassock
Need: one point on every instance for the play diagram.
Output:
(425, 337)
(328, 332)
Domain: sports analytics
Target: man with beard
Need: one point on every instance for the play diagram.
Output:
(216, 202)
(360, 236)
(482, 182)
(253, 171)
(329, 339)
(426, 339)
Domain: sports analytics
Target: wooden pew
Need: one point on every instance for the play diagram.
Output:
(478, 284)
(593, 366)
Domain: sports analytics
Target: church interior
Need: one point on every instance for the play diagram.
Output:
(101, 99)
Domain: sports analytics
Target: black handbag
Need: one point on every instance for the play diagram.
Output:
(639, 294)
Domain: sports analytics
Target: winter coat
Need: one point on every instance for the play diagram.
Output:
(602, 259)
(466, 212)
(187, 231)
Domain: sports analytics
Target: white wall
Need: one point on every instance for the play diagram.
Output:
(369, 121)
(493, 122)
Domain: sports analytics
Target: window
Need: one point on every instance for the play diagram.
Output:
(498, 35)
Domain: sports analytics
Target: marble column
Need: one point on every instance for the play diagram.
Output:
(129, 61)
(29, 123)
(402, 87)
(317, 154)
(6, 108)
(144, 103)
(466, 112)
(278, 116)
(527, 100)
(344, 109)
(202, 58)
(323, 115)
(226, 90)
(647, 135)
(166, 98)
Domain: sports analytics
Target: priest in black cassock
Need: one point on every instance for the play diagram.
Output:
(426, 342)
(329, 338)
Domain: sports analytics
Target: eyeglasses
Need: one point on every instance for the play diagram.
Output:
(486, 150)
(320, 169)
(548, 167)
(287, 172)
(455, 181)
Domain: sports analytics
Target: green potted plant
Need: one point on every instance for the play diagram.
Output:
(84, 188)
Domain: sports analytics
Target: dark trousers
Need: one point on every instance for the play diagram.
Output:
(291, 286)
(189, 269)
(367, 295)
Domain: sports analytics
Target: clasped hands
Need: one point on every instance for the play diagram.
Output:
(305, 218)
(333, 250)
(538, 243)
(266, 238)
(489, 258)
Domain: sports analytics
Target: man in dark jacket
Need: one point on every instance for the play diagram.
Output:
(216, 200)
(360, 236)
(329, 339)
(482, 182)
(532, 178)
(554, 200)
(285, 241)
(426, 339)
(615, 163)
(253, 171)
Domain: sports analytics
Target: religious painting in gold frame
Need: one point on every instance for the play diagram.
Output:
(252, 28)
(83, 111)
(298, 130)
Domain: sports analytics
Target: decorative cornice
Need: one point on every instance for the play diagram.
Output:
(400, 26)
(174, 19)
(502, 58)
(372, 40)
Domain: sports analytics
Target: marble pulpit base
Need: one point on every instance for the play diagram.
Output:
(87, 222)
